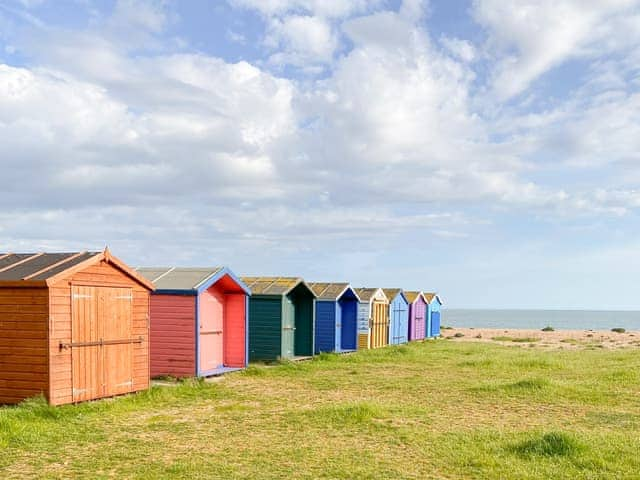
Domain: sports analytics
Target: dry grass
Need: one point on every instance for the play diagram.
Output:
(428, 410)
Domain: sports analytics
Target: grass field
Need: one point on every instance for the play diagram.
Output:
(439, 409)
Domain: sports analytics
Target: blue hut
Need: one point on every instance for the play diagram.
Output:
(435, 304)
(398, 316)
(336, 317)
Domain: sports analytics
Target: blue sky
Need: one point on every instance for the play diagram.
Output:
(484, 149)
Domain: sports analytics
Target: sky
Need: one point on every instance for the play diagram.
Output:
(484, 149)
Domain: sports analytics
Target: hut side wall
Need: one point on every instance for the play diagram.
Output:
(23, 343)
(235, 340)
(173, 342)
(99, 275)
(364, 325)
(325, 326)
(265, 327)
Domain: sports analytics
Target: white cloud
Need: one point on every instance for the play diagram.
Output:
(322, 8)
(301, 40)
(461, 49)
(530, 38)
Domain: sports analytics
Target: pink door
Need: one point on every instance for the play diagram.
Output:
(211, 330)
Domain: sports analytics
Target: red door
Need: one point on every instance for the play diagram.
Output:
(211, 330)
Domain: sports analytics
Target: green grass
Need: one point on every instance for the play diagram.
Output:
(428, 410)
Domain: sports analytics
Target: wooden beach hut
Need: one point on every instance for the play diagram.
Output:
(373, 318)
(418, 315)
(336, 317)
(198, 321)
(398, 315)
(281, 318)
(73, 327)
(435, 304)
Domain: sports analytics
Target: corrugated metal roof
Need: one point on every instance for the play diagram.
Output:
(271, 285)
(328, 290)
(411, 296)
(169, 278)
(391, 292)
(39, 266)
(366, 294)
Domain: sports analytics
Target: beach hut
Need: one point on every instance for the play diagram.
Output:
(435, 304)
(373, 318)
(198, 321)
(418, 315)
(336, 317)
(281, 318)
(73, 327)
(398, 315)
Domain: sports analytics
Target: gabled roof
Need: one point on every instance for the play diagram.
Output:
(40, 269)
(413, 296)
(392, 293)
(331, 291)
(185, 279)
(274, 285)
(366, 294)
(430, 296)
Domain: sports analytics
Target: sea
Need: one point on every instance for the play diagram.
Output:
(536, 319)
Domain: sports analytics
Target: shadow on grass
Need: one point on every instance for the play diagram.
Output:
(552, 444)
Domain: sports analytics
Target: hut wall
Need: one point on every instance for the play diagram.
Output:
(24, 362)
(173, 339)
(235, 334)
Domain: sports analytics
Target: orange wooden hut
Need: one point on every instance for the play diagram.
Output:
(73, 326)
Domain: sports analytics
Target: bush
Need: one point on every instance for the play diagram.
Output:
(458, 334)
(618, 330)
(548, 328)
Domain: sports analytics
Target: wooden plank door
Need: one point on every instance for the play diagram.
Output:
(115, 311)
(86, 361)
(211, 331)
(288, 328)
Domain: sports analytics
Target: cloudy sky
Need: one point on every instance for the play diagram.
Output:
(485, 149)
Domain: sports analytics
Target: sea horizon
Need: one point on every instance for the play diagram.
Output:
(560, 319)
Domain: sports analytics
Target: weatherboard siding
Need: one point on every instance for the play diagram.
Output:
(325, 326)
(173, 320)
(24, 363)
(265, 327)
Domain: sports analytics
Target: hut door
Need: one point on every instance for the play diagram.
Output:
(211, 331)
(114, 313)
(399, 331)
(380, 330)
(86, 360)
(101, 342)
(288, 328)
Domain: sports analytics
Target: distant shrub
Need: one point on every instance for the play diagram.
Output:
(458, 334)
(446, 327)
(515, 339)
(548, 328)
(618, 330)
(478, 335)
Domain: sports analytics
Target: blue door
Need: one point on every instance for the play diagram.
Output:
(399, 322)
(325, 327)
(435, 324)
(349, 324)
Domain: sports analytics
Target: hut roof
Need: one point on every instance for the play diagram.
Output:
(26, 269)
(193, 279)
(391, 293)
(331, 291)
(412, 296)
(430, 296)
(274, 285)
(366, 294)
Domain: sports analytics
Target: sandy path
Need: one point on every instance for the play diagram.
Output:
(569, 339)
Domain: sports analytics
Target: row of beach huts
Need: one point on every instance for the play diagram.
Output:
(82, 326)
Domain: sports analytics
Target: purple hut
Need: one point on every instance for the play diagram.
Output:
(417, 315)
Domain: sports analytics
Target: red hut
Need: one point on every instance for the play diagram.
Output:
(198, 321)
(73, 326)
